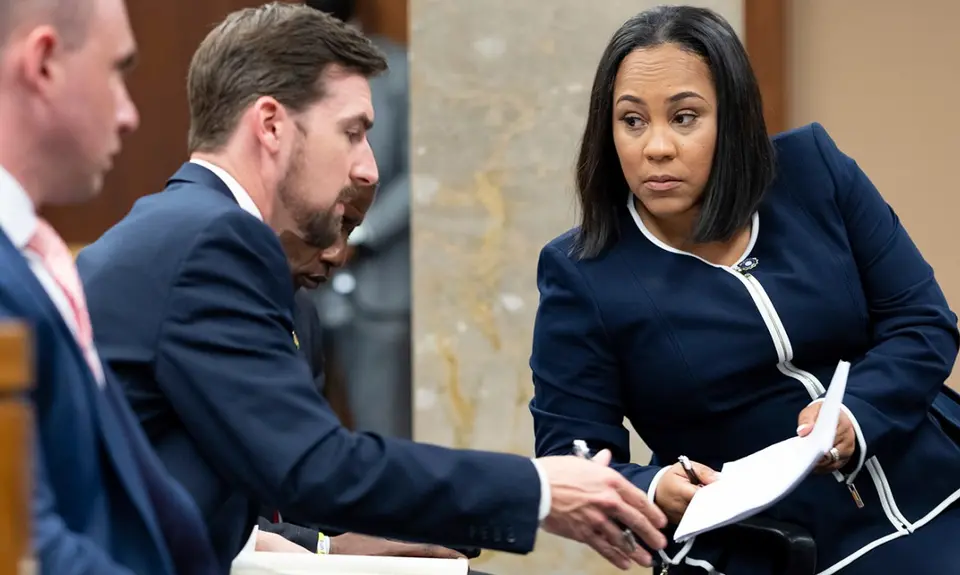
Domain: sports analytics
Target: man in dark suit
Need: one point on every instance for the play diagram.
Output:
(191, 299)
(102, 504)
(309, 267)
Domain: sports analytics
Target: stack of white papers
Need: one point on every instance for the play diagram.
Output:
(748, 486)
(259, 563)
(252, 562)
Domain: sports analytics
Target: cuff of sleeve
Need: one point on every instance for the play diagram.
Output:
(685, 549)
(860, 457)
(860, 454)
(652, 491)
(545, 500)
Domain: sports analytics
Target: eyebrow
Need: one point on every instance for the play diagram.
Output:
(361, 119)
(672, 99)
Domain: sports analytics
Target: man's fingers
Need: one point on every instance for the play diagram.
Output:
(641, 557)
(638, 501)
(435, 552)
(444, 553)
(603, 457)
(609, 552)
(605, 538)
(641, 525)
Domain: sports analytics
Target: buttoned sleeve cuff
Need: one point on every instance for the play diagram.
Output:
(545, 501)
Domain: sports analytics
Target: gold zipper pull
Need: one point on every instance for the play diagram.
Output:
(665, 569)
(856, 495)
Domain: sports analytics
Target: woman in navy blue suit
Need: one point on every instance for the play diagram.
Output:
(716, 279)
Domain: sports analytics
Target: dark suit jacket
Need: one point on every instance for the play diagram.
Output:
(310, 335)
(306, 323)
(191, 299)
(97, 483)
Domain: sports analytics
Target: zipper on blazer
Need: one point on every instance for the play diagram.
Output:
(815, 389)
(813, 386)
(855, 494)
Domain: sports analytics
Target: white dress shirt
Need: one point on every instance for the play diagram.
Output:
(246, 202)
(18, 220)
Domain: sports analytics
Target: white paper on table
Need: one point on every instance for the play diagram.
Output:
(262, 563)
(749, 485)
(251, 545)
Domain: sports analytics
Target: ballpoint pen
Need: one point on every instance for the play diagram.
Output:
(688, 469)
(581, 450)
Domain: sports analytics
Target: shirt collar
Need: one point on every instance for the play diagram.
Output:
(239, 194)
(18, 216)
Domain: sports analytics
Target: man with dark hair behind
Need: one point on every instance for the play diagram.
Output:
(309, 267)
(366, 306)
(191, 299)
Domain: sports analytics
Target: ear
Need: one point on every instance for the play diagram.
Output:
(41, 65)
(271, 122)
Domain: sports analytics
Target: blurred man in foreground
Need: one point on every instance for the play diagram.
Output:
(191, 298)
(102, 503)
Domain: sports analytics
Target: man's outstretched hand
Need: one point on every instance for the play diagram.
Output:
(587, 496)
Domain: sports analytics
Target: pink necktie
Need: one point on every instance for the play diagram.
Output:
(58, 261)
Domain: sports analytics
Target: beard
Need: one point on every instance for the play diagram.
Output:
(319, 228)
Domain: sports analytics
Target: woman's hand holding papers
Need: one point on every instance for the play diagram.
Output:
(844, 442)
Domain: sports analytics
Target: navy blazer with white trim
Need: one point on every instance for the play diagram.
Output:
(713, 363)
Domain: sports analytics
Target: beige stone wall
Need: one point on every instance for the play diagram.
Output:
(499, 94)
(883, 77)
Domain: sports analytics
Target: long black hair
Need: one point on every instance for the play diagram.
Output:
(743, 161)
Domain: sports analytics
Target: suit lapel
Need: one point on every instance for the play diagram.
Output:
(24, 285)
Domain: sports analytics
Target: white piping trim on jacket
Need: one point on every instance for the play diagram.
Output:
(652, 496)
(873, 467)
(862, 551)
(814, 388)
(705, 565)
(860, 440)
(754, 231)
(937, 510)
(652, 491)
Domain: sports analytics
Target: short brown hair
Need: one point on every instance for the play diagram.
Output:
(279, 50)
(70, 17)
